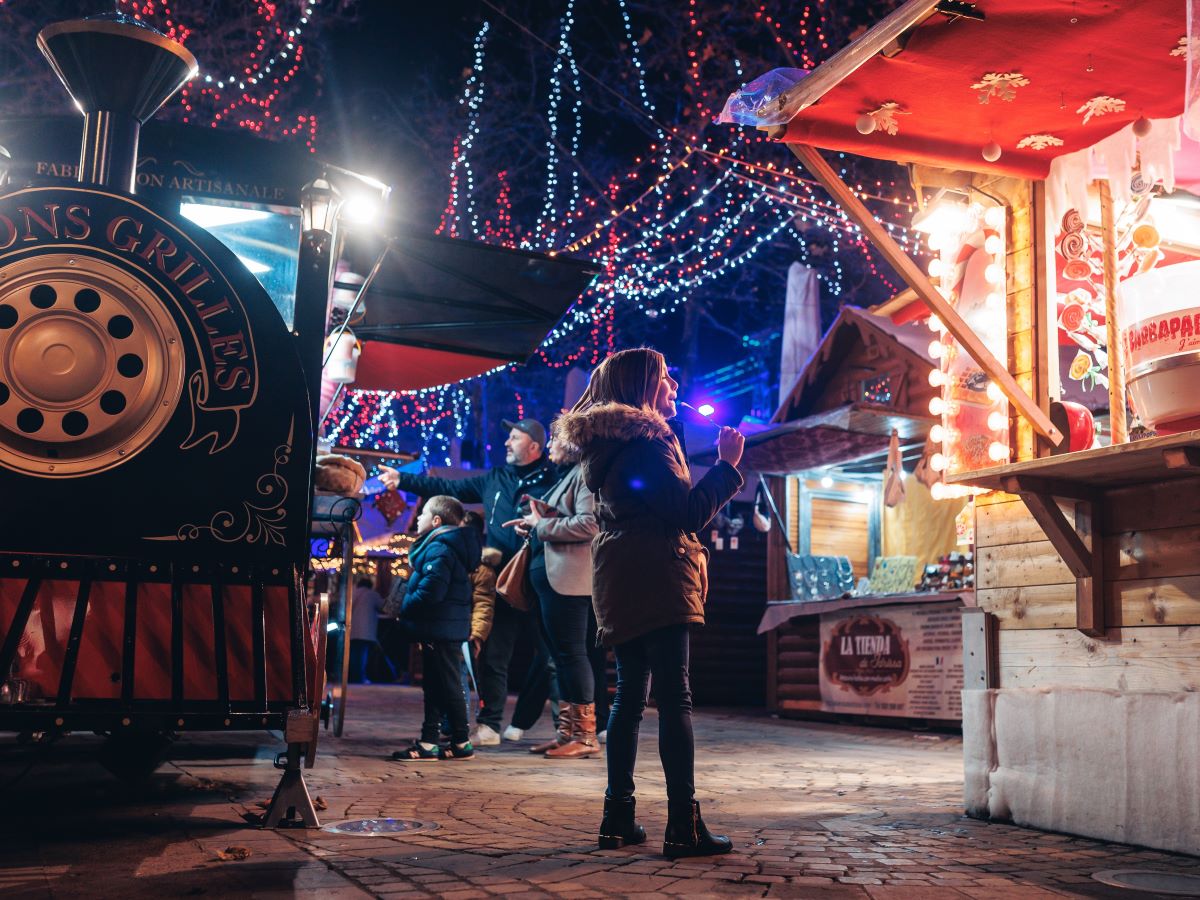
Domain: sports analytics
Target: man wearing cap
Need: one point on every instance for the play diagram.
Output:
(527, 471)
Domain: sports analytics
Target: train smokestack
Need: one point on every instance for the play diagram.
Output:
(119, 72)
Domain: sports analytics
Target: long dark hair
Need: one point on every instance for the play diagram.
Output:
(630, 377)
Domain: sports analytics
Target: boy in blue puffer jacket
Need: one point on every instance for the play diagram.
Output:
(437, 610)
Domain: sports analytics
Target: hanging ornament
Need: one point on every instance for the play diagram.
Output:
(865, 123)
(992, 151)
(1142, 127)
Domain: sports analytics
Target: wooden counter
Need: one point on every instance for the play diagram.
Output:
(891, 655)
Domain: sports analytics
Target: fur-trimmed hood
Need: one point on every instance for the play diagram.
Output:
(492, 557)
(611, 421)
(602, 431)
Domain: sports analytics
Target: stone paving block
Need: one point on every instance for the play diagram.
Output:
(814, 809)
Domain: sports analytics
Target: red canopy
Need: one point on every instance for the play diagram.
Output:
(1070, 51)
(441, 309)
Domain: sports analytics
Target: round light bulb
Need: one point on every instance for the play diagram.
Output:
(994, 218)
(993, 244)
(993, 392)
(937, 406)
(998, 451)
(937, 462)
(936, 241)
(992, 151)
(865, 123)
(994, 300)
(937, 434)
(935, 267)
(994, 273)
(936, 377)
(826, 482)
(938, 491)
(937, 349)
(997, 421)
(935, 324)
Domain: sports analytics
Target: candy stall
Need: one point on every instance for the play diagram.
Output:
(867, 568)
(1058, 184)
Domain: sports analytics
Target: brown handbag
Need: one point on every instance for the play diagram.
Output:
(512, 584)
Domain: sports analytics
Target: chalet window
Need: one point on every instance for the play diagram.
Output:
(876, 390)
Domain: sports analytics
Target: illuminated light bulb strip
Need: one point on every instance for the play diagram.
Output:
(985, 236)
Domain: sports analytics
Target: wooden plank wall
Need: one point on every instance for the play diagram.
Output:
(1152, 585)
(728, 662)
(795, 651)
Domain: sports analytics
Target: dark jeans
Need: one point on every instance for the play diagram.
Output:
(565, 629)
(360, 652)
(598, 661)
(662, 653)
(441, 664)
(492, 671)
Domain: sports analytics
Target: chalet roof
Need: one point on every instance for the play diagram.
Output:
(853, 326)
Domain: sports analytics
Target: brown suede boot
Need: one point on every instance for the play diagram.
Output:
(566, 718)
(583, 737)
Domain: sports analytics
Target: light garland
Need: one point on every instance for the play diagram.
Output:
(684, 215)
(244, 98)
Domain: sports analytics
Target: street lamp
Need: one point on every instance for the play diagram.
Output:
(320, 202)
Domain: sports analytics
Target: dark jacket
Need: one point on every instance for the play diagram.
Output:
(650, 570)
(499, 490)
(437, 601)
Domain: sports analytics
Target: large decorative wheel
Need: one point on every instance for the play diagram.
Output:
(91, 365)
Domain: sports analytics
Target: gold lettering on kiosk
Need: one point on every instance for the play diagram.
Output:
(49, 227)
(129, 245)
(80, 221)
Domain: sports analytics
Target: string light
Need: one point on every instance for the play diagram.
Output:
(246, 97)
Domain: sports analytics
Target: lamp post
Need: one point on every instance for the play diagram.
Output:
(320, 202)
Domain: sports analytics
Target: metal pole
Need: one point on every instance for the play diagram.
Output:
(346, 590)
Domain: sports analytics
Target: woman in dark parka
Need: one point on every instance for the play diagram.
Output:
(649, 577)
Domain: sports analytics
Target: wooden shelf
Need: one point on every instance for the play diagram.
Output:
(1087, 478)
(1138, 462)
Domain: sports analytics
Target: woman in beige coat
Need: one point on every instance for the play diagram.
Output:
(561, 528)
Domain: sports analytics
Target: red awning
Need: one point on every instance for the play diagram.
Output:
(1112, 49)
(440, 309)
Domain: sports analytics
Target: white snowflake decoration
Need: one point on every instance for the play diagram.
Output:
(1038, 142)
(1101, 106)
(1187, 45)
(1002, 85)
(885, 117)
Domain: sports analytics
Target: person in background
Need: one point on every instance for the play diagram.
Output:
(649, 579)
(483, 600)
(365, 606)
(437, 610)
(500, 489)
(561, 527)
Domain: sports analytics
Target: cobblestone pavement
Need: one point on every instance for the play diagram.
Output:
(815, 810)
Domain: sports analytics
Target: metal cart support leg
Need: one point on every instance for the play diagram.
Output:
(291, 806)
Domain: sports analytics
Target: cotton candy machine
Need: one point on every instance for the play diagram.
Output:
(1159, 314)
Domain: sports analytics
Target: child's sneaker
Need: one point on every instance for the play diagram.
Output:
(417, 752)
(513, 733)
(454, 751)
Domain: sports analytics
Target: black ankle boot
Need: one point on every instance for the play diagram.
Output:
(619, 828)
(687, 834)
